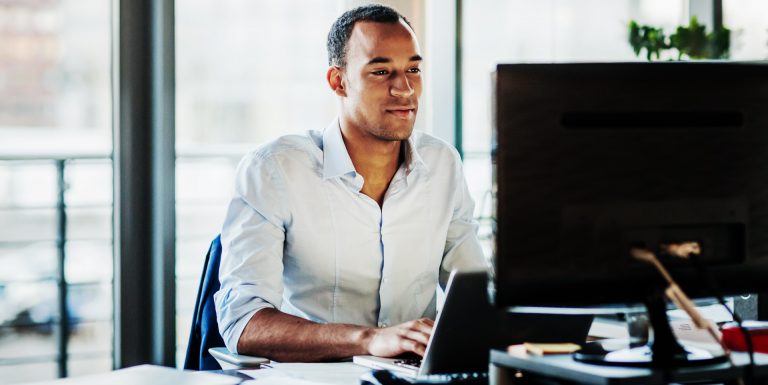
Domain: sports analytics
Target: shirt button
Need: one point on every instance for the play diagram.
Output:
(383, 325)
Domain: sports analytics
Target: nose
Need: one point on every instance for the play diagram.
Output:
(401, 86)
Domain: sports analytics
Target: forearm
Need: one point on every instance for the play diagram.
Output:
(286, 338)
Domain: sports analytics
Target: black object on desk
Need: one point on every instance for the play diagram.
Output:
(664, 352)
(505, 365)
(387, 377)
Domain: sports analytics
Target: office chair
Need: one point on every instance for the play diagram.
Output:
(206, 349)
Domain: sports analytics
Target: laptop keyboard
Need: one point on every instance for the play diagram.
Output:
(410, 363)
(386, 377)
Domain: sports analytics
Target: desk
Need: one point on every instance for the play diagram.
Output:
(504, 366)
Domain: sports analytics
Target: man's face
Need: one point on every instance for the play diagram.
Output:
(382, 80)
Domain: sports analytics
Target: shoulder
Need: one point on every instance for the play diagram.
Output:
(434, 150)
(303, 148)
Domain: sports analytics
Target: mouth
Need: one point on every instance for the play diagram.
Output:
(402, 112)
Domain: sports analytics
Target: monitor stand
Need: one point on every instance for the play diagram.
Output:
(663, 351)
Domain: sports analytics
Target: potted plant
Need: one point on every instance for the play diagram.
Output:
(691, 41)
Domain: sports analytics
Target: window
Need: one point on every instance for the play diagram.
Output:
(749, 28)
(55, 134)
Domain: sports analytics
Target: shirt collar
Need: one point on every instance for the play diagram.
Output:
(413, 160)
(336, 160)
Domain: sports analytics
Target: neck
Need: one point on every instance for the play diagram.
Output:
(375, 159)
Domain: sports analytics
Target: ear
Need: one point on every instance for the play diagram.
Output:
(335, 78)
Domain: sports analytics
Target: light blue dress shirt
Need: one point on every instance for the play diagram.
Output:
(299, 235)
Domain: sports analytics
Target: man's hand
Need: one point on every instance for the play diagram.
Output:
(286, 338)
(391, 341)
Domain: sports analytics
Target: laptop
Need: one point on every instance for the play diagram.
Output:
(469, 326)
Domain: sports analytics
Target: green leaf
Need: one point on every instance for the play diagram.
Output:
(692, 41)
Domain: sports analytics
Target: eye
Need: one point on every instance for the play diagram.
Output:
(414, 70)
(380, 72)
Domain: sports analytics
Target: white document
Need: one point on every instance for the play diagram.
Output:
(608, 328)
(716, 313)
(333, 373)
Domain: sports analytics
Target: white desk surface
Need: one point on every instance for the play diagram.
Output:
(147, 374)
(335, 373)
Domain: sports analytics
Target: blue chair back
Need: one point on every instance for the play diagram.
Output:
(204, 333)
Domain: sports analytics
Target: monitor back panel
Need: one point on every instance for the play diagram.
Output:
(593, 159)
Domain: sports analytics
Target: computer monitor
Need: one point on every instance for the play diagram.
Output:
(591, 160)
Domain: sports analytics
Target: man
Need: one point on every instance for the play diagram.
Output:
(335, 241)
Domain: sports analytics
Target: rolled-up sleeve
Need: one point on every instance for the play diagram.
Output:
(462, 248)
(252, 240)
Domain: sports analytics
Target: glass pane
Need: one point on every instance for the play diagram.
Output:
(19, 343)
(38, 371)
(28, 304)
(478, 170)
(27, 184)
(90, 222)
(89, 261)
(27, 261)
(191, 256)
(89, 183)
(478, 174)
(749, 27)
(215, 188)
(186, 294)
(27, 225)
(95, 363)
(199, 222)
(91, 338)
(89, 302)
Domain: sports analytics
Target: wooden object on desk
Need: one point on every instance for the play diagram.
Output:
(675, 293)
(543, 349)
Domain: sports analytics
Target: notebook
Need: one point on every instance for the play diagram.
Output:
(469, 326)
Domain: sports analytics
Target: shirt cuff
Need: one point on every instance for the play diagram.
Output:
(236, 330)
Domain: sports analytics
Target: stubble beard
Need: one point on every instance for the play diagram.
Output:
(392, 134)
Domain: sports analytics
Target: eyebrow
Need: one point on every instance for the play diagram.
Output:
(384, 60)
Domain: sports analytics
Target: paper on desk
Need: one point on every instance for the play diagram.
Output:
(280, 379)
(147, 374)
(333, 373)
(687, 333)
(608, 328)
(716, 313)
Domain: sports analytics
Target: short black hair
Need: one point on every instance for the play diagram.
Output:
(342, 28)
